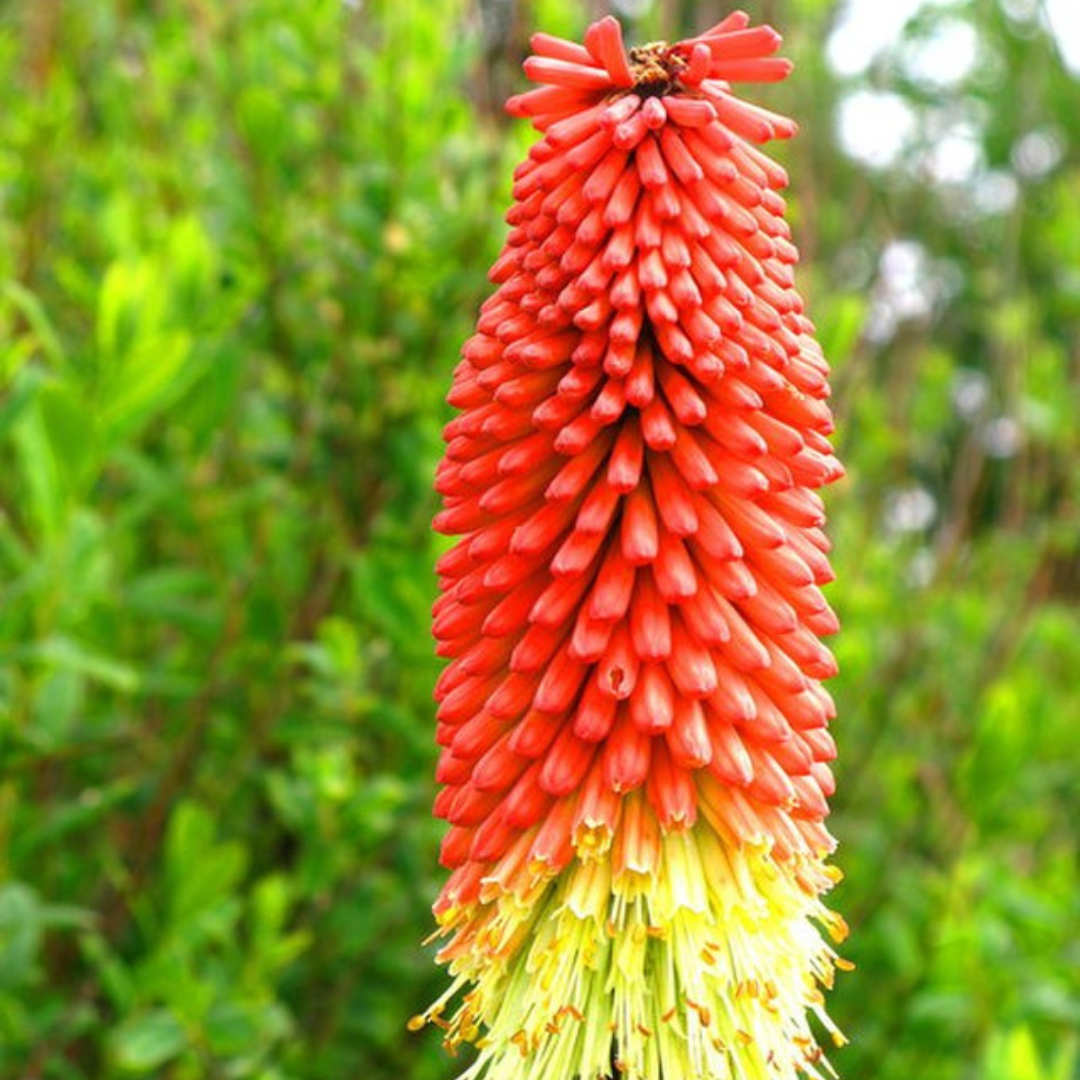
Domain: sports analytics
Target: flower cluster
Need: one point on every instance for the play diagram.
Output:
(634, 728)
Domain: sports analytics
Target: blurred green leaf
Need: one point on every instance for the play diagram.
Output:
(147, 1042)
(21, 926)
(72, 656)
(44, 337)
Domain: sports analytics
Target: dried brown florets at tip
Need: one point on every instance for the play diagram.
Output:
(656, 68)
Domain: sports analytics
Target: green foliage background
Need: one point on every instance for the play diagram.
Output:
(240, 245)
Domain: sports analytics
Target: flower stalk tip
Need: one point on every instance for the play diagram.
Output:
(633, 725)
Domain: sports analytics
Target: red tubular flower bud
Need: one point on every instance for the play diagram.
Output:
(534, 733)
(595, 714)
(604, 42)
(634, 728)
(671, 791)
(626, 754)
(688, 736)
(652, 705)
(597, 814)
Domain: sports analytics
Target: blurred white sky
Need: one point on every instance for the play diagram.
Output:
(879, 128)
(939, 143)
(867, 27)
(1064, 19)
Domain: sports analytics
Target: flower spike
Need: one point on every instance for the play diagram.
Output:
(633, 727)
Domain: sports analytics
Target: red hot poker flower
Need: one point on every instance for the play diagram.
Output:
(634, 728)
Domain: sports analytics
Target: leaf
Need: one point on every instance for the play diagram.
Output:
(125, 306)
(202, 872)
(149, 307)
(190, 834)
(93, 805)
(22, 393)
(56, 438)
(232, 1027)
(840, 328)
(43, 333)
(191, 265)
(259, 117)
(152, 377)
(173, 594)
(71, 431)
(112, 974)
(1013, 1055)
(71, 655)
(148, 1041)
(21, 926)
